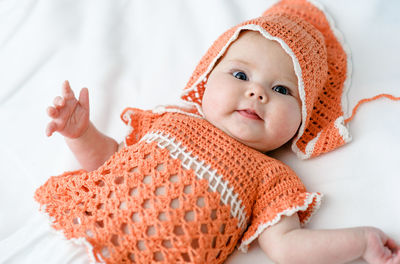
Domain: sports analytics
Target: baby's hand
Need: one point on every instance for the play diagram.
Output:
(380, 248)
(70, 116)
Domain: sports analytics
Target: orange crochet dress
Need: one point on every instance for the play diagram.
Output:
(180, 191)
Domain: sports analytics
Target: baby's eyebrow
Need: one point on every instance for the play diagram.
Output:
(240, 61)
(291, 80)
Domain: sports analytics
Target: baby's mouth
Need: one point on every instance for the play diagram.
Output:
(249, 113)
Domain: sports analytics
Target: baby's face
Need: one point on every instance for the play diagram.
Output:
(252, 94)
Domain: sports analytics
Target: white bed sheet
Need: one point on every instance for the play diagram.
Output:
(141, 53)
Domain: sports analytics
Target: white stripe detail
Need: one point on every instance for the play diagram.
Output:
(127, 118)
(343, 131)
(161, 109)
(288, 212)
(203, 171)
(309, 148)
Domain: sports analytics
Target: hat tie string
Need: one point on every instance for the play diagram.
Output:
(389, 96)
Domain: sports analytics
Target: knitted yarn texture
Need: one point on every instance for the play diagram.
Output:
(181, 191)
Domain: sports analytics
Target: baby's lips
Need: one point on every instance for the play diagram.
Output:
(249, 113)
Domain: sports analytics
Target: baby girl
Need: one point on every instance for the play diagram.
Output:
(191, 183)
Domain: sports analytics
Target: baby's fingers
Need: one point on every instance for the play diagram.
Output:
(59, 102)
(84, 98)
(392, 245)
(396, 259)
(52, 112)
(67, 92)
(51, 128)
(395, 250)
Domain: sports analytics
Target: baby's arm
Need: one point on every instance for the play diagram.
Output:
(71, 119)
(286, 242)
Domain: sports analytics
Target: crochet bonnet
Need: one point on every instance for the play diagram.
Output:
(321, 62)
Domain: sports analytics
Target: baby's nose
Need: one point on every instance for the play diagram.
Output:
(258, 93)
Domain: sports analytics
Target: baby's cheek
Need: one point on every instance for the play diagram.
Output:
(293, 117)
(205, 104)
(212, 101)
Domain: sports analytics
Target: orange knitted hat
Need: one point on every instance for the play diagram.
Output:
(321, 62)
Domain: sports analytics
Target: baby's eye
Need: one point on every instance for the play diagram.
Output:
(240, 75)
(281, 89)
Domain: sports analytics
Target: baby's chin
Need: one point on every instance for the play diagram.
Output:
(261, 145)
(249, 140)
(244, 135)
(257, 146)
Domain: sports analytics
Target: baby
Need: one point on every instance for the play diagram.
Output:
(190, 183)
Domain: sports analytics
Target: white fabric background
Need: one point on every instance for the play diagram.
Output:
(141, 53)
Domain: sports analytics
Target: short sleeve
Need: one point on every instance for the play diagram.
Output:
(139, 122)
(280, 193)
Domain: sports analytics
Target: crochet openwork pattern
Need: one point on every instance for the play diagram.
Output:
(181, 191)
(322, 66)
